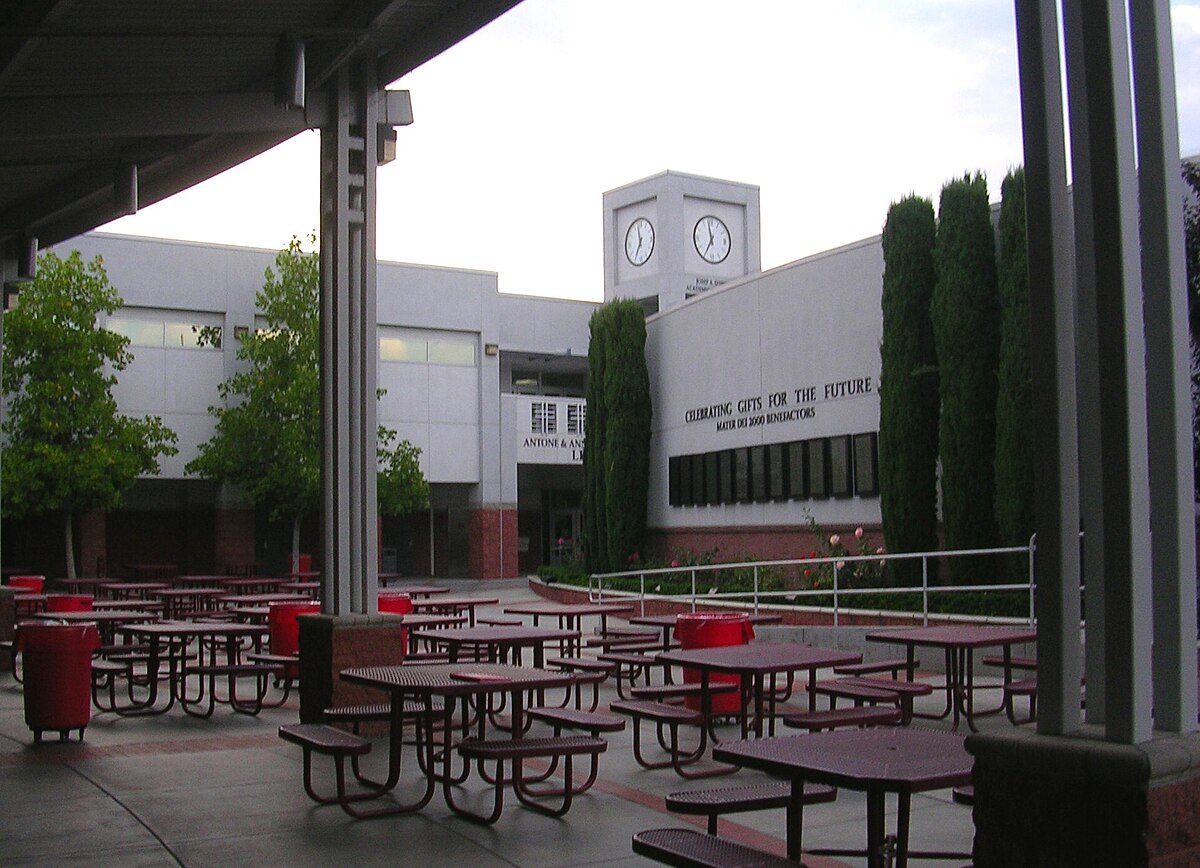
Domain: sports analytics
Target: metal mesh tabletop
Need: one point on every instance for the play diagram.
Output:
(896, 759)
(956, 635)
(455, 679)
(760, 657)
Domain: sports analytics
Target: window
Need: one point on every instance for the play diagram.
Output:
(725, 474)
(758, 473)
(776, 481)
(796, 486)
(562, 383)
(452, 352)
(543, 418)
(866, 460)
(741, 474)
(815, 468)
(172, 334)
(685, 481)
(712, 490)
(673, 493)
(191, 336)
(697, 464)
(839, 467)
(402, 350)
(576, 418)
(139, 332)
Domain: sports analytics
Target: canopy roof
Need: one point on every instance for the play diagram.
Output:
(182, 90)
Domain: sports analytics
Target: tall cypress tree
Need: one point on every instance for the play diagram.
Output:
(966, 331)
(595, 540)
(1014, 403)
(627, 430)
(908, 386)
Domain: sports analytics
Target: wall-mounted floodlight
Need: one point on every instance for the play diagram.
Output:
(289, 73)
(27, 248)
(491, 349)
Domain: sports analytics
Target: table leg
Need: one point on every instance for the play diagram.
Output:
(875, 836)
(903, 811)
(795, 820)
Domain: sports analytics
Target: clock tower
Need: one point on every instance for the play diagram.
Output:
(671, 236)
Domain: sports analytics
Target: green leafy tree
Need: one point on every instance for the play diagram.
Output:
(966, 315)
(1014, 402)
(67, 449)
(908, 386)
(268, 432)
(628, 414)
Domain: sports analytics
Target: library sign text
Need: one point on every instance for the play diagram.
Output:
(791, 405)
(574, 445)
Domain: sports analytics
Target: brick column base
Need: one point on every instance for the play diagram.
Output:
(331, 643)
(493, 543)
(1053, 800)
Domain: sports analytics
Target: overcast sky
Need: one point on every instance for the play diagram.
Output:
(833, 109)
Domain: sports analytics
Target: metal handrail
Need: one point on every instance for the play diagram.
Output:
(596, 582)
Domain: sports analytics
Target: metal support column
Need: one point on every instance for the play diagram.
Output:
(348, 344)
(1168, 381)
(1106, 244)
(1052, 346)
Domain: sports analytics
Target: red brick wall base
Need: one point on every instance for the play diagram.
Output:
(1053, 800)
(493, 543)
(329, 644)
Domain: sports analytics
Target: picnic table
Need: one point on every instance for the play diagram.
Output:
(666, 623)
(456, 684)
(901, 760)
(498, 642)
(959, 641)
(753, 663)
(446, 605)
(223, 642)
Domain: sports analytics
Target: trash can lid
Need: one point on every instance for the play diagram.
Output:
(56, 637)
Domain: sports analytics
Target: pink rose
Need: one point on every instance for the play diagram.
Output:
(674, 563)
(858, 533)
(834, 539)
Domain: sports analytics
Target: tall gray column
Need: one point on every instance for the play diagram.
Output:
(1052, 325)
(1168, 380)
(1107, 245)
(349, 146)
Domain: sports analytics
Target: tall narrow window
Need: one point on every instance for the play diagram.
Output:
(797, 485)
(816, 468)
(741, 474)
(698, 480)
(673, 492)
(725, 476)
(866, 460)
(712, 488)
(758, 473)
(839, 467)
(776, 483)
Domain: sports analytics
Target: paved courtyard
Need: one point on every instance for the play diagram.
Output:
(174, 790)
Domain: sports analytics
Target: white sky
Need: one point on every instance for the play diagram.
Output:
(833, 109)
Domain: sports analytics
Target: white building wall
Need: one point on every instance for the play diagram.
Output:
(797, 332)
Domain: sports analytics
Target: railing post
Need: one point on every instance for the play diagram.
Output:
(642, 576)
(836, 610)
(925, 590)
(755, 590)
(1032, 579)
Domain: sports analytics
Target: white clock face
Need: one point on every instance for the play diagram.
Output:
(639, 241)
(711, 238)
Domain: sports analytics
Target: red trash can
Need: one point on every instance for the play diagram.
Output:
(299, 564)
(56, 660)
(68, 602)
(713, 630)
(285, 630)
(36, 584)
(397, 604)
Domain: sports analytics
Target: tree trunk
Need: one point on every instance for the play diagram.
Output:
(69, 538)
(295, 565)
